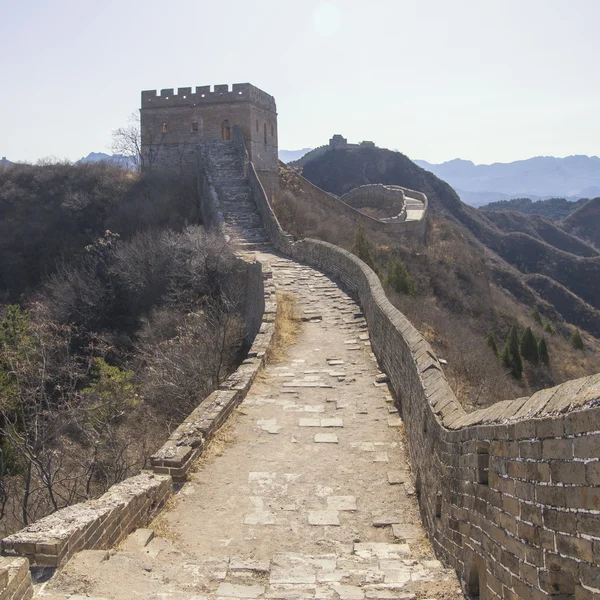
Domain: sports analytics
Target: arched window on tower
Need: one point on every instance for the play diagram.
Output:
(194, 125)
(225, 131)
(163, 127)
(265, 132)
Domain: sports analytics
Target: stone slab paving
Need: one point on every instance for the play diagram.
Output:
(306, 494)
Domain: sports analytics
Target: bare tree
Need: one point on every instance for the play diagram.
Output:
(127, 141)
(139, 145)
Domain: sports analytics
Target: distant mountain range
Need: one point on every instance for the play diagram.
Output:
(93, 157)
(287, 156)
(541, 177)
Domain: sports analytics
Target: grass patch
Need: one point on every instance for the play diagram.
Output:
(161, 525)
(287, 327)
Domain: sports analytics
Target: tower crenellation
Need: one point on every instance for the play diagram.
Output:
(187, 96)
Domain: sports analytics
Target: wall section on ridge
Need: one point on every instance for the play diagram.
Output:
(312, 197)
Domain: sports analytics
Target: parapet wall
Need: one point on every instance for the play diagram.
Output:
(509, 495)
(314, 198)
(95, 524)
(377, 196)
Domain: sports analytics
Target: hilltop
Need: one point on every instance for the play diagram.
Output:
(585, 222)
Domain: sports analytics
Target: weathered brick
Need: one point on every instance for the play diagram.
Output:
(560, 520)
(592, 473)
(560, 448)
(511, 505)
(583, 497)
(530, 449)
(588, 524)
(574, 546)
(567, 472)
(587, 446)
(550, 495)
(531, 513)
(590, 575)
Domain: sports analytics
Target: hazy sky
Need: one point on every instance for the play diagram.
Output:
(435, 79)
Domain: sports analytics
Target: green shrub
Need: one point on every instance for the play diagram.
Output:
(576, 341)
(535, 315)
(529, 347)
(549, 328)
(362, 248)
(399, 279)
(543, 351)
(511, 356)
(491, 341)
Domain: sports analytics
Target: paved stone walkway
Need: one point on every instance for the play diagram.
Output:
(304, 494)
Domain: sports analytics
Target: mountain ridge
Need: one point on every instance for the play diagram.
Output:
(540, 177)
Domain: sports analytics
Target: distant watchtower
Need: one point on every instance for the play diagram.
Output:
(174, 124)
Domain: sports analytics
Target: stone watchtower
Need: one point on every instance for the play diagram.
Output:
(174, 124)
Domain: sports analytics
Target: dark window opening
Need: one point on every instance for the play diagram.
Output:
(272, 130)
(472, 584)
(265, 132)
(194, 125)
(483, 465)
(256, 125)
(225, 131)
(438, 506)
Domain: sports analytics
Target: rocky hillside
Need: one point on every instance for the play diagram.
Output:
(554, 209)
(517, 246)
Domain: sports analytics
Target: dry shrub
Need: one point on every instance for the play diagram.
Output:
(287, 327)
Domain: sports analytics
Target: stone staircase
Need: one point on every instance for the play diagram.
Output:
(242, 223)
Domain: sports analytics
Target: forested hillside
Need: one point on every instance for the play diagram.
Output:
(120, 313)
(554, 209)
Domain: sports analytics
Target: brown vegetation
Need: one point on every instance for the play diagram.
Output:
(287, 327)
(112, 346)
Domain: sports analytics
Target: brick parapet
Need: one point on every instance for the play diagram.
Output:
(510, 495)
(378, 196)
(15, 579)
(95, 524)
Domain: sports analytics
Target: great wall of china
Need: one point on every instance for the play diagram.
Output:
(319, 496)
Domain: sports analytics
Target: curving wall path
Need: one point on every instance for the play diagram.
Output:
(510, 495)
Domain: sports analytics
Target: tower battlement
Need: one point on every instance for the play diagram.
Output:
(201, 95)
